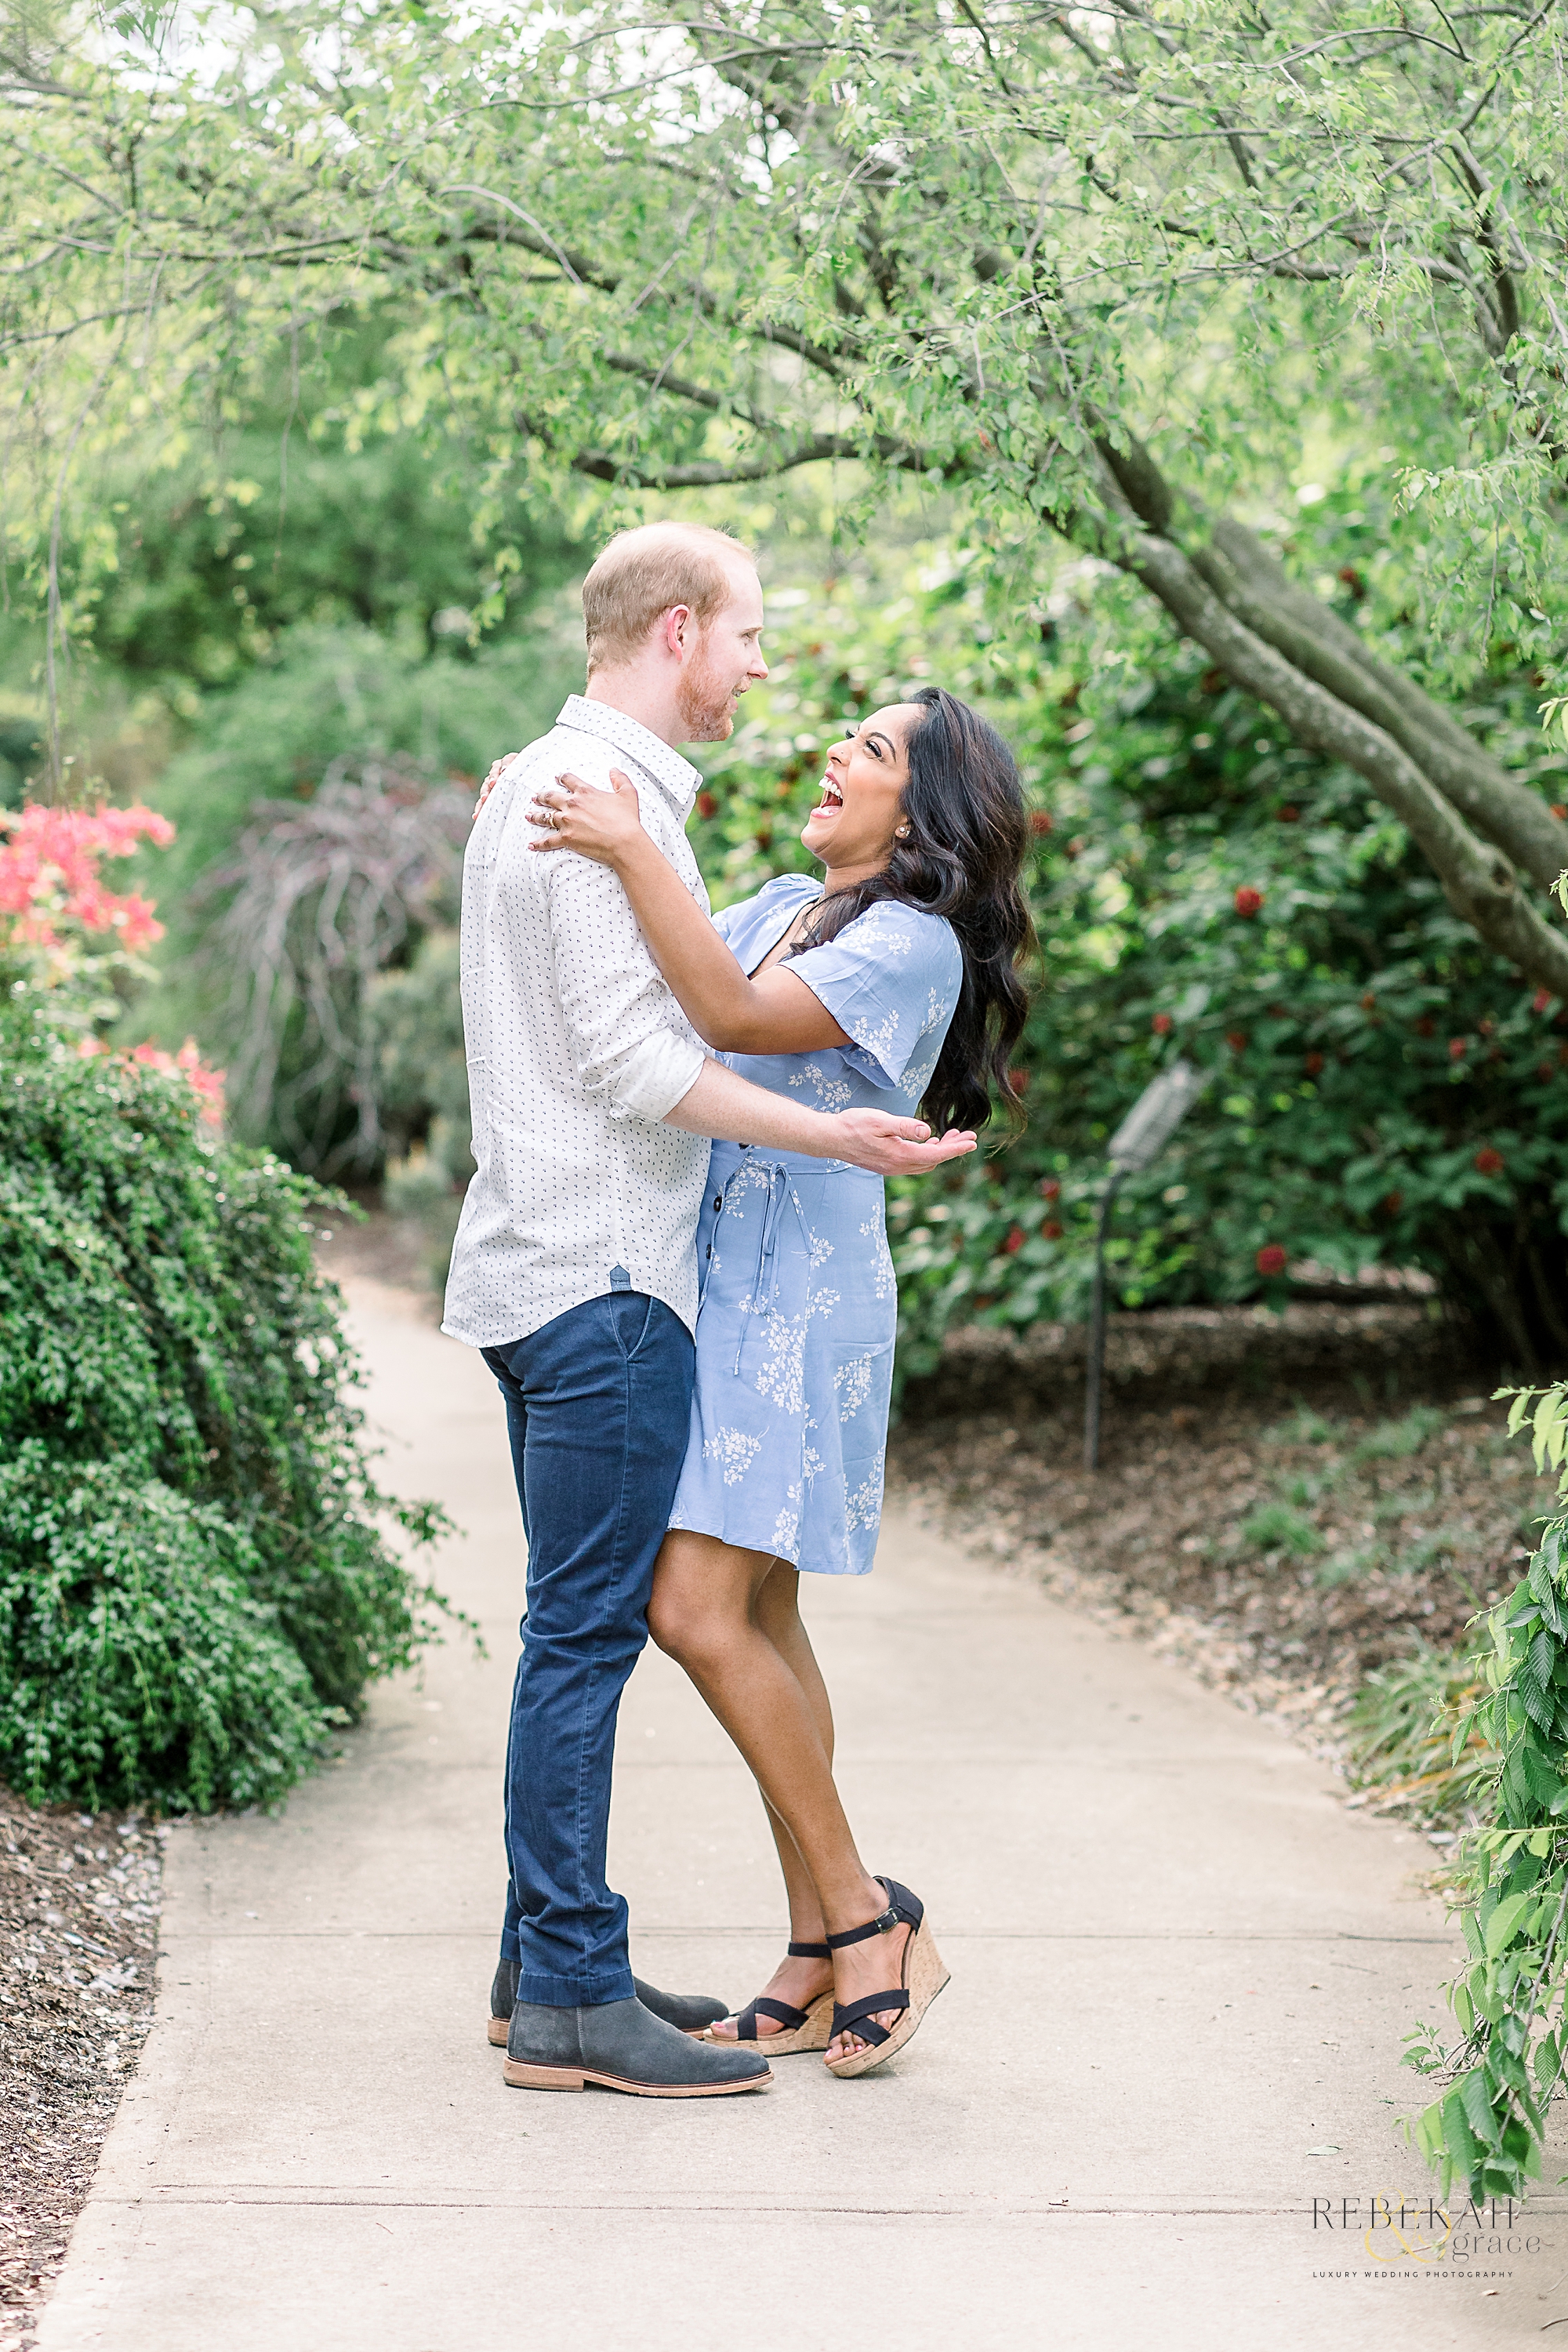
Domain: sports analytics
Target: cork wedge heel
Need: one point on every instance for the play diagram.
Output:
(924, 1975)
(800, 2029)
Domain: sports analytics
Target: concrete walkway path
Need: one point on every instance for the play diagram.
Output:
(1181, 1973)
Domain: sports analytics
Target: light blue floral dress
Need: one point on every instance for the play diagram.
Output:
(795, 1334)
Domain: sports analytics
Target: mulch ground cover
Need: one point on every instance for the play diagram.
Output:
(78, 1933)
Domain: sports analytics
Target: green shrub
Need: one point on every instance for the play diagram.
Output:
(1274, 1526)
(195, 1580)
(138, 1660)
(198, 571)
(1401, 1749)
(1302, 1427)
(1498, 2078)
(323, 900)
(1396, 1441)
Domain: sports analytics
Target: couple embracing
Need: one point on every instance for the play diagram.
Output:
(673, 1257)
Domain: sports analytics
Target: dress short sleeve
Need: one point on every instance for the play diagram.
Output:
(785, 894)
(892, 980)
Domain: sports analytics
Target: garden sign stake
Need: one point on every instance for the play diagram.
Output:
(1139, 1139)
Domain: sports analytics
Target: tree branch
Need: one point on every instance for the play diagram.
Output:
(1321, 644)
(1478, 882)
(1254, 585)
(629, 474)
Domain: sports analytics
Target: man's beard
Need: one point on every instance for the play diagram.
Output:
(702, 701)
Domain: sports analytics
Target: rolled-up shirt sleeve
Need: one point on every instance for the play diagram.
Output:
(630, 1042)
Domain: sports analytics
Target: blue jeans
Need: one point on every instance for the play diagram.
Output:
(597, 1405)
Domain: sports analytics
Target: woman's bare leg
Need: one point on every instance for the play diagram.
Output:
(796, 1982)
(777, 1613)
(708, 1613)
(806, 1920)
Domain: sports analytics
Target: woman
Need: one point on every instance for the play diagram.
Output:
(895, 975)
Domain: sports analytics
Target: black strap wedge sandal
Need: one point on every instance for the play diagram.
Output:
(802, 2028)
(923, 1978)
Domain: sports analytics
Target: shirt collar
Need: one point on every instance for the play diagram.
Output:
(667, 767)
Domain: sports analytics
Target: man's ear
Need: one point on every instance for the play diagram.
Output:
(678, 630)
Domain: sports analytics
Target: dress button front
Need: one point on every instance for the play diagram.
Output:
(709, 1249)
(718, 1199)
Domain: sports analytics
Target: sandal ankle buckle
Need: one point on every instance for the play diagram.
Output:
(882, 1925)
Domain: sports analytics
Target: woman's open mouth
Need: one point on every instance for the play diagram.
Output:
(832, 798)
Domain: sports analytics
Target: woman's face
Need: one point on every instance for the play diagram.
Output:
(853, 824)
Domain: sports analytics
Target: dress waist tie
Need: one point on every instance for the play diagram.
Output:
(782, 1195)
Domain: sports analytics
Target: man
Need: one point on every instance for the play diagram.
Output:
(574, 1270)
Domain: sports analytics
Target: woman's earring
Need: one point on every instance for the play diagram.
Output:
(902, 833)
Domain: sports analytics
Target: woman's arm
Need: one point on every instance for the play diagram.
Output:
(774, 1013)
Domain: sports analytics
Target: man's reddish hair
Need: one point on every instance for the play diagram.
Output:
(642, 574)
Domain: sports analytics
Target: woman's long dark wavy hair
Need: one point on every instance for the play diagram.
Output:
(968, 829)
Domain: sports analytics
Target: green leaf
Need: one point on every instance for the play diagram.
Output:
(1503, 1921)
(1505, 2072)
(1539, 1579)
(1476, 2099)
(1547, 2061)
(1545, 1789)
(1537, 1703)
(1459, 2137)
(1548, 1428)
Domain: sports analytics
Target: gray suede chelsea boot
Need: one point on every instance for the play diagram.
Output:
(690, 2012)
(621, 2046)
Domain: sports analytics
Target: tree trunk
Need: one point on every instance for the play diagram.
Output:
(1473, 823)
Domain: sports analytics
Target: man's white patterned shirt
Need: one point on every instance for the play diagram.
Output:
(576, 1050)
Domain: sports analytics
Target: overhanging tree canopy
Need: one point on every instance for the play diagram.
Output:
(1097, 268)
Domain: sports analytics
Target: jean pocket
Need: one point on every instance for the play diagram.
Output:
(632, 1312)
